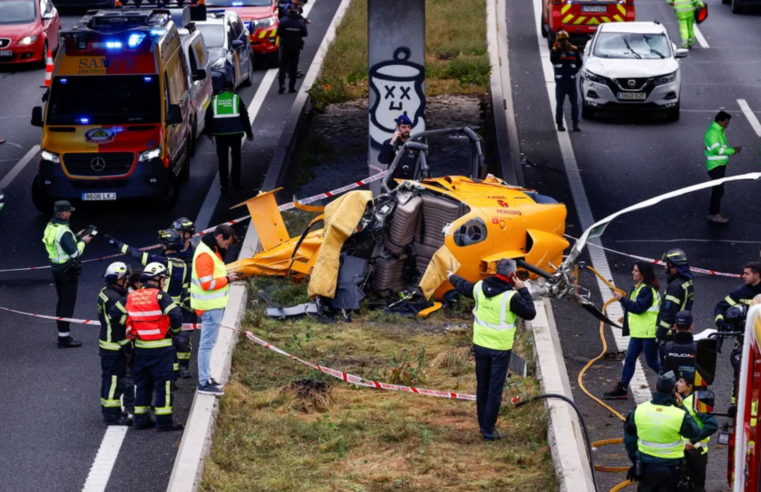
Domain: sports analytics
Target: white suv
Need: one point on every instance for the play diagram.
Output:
(631, 65)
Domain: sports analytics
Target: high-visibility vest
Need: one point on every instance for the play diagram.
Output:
(685, 9)
(717, 151)
(226, 117)
(206, 300)
(52, 240)
(658, 430)
(145, 319)
(688, 404)
(493, 321)
(643, 325)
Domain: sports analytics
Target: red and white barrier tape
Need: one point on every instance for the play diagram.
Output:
(283, 208)
(343, 376)
(661, 262)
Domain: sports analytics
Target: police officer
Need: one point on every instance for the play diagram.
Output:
(695, 449)
(227, 121)
(500, 300)
(653, 437)
(152, 319)
(177, 286)
(115, 348)
(186, 229)
(679, 294)
(65, 249)
(566, 60)
(292, 30)
(407, 165)
(681, 350)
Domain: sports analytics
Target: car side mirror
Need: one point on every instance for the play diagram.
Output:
(704, 401)
(588, 46)
(37, 116)
(174, 116)
(681, 52)
(199, 75)
(48, 16)
(237, 43)
(705, 361)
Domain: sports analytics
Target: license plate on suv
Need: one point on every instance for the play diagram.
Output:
(594, 9)
(632, 96)
(98, 197)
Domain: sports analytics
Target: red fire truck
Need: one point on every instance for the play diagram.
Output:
(580, 18)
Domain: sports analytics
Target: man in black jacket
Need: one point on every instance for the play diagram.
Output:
(405, 168)
(741, 295)
(679, 352)
(292, 30)
(498, 305)
(679, 295)
(566, 60)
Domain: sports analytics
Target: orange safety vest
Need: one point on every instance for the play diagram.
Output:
(145, 320)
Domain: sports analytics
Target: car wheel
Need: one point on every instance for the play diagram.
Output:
(736, 7)
(273, 60)
(550, 39)
(171, 194)
(673, 113)
(41, 201)
(587, 112)
(44, 57)
(542, 27)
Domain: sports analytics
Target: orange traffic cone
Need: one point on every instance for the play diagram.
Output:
(48, 68)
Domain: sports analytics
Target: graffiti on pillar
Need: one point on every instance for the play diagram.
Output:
(398, 88)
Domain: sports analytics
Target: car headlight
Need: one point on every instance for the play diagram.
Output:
(27, 40)
(264, 23)
(665, 79)
(593, 77)
(50, 156)
(219, 64)
(149, 154)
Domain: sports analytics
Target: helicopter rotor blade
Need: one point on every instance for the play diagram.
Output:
(592, 309)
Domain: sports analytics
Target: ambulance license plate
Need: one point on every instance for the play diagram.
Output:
(594, 9)
(98, 197)
(6, 53)
(632, 96)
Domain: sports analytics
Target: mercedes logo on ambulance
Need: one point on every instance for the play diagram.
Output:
(98, 164)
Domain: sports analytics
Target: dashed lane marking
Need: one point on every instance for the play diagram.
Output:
(750, 115)
(100, 472)
(8, 179)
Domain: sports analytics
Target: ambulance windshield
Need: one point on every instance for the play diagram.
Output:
(109, 100)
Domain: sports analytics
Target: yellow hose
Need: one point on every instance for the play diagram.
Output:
(580, 380)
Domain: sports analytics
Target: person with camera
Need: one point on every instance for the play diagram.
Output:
(695, 449)
(65, 249)
(566, 59)
(405, 168)
(654, 434)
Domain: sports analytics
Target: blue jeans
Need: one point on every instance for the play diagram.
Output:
(491, 371)
(210, 321)
(636, 347)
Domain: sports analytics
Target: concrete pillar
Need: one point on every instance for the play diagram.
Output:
(396, 71)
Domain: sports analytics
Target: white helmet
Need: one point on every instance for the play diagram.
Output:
(117, 271)
(153, 271)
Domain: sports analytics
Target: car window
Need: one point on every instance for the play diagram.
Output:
(213, 34)
(199, 51)
(235, 26)
(192, 58)
(632, 46)
(17, 12)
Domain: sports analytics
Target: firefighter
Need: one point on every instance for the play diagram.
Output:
(115, 348)
(152, 319)
(685, 14)
(695, 449)
(65, 249)
(679, 294)
(407, 165)
(185, 228)
(177, 286)
(292, 30)
(566, 60)
(742, 295)
(227, 121)
(500, 300)
(717, 154)
(653, 437)
(681, 350)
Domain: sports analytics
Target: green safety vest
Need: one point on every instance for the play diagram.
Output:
(493, 322)
(643, 325)
(688, 403)
(658, 430)
(685, 9)
(717, 151)
(206, 300)
(226, 115)
(52, 240)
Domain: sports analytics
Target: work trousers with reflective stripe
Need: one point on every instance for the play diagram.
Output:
(116, 381)
(717, 192)
(183, 343)
(565, 88)
(659, 478)
(66, 284)
(153, 373)
(491, 372)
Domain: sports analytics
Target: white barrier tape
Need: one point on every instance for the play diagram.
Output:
(661, 262)
(349, 378)
(283, 208)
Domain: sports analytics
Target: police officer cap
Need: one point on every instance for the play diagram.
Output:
(666, 383)
(683, 319)
(676, 256)
(687, 373)
(403, 120)
(63, 206)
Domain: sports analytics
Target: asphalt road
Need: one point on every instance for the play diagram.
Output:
(625, 159)
(50, 411)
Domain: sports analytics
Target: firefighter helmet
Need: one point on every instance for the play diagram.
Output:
(153, 271)
(171, 239)
(183, 224)
(117, 271)
(562, 35)
(676, 256)
(735, 317)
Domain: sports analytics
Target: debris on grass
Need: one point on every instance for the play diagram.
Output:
(309, 395)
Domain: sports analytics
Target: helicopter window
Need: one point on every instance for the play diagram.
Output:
(471, 232)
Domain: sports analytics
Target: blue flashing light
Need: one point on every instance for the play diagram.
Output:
(158, 32)
(135, 39)
(237, 4)
(147, 79)
(84, 121)
(63, 81)
(113, 45)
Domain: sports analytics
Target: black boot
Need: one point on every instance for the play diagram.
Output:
(576, 127)
(223, 184)
(120, 421)
(561, 128)
(281, 90)
(619, 392)
(185, 372)
(171, 428)
(292, 90)
(145, 424)
(68, 342)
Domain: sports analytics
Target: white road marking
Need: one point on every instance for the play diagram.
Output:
(750, 115)
(685, 240)
(100, 472)
(638, 385)
(212, 196)
(701, 39)
(8, 179)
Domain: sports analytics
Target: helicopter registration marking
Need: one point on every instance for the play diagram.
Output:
(509, 212)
